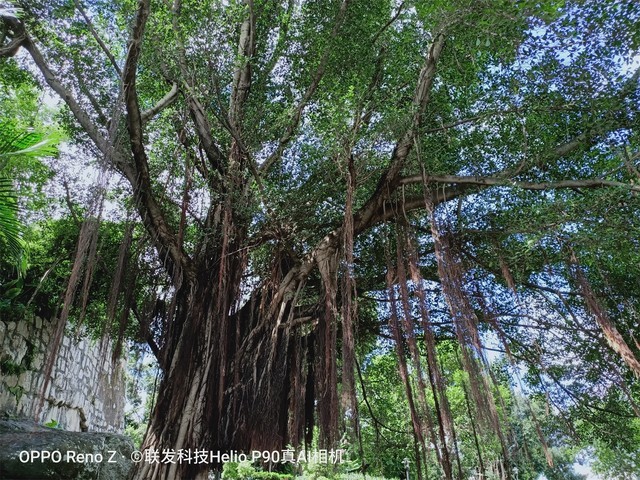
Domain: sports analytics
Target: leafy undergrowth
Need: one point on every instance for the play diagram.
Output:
(313, 471)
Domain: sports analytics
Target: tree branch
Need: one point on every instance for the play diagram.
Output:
(163, 103)
(389, 180)
(242, 76)
(456, 186)
(283, 31)
(497, 181)
(63, 92)
(373, 209)
(197, 111)
(19, 36)
(137, 174)
(84, 89)
(296, 116)
(388, 24)
(451, 191)
(97, 38)
(170, 251)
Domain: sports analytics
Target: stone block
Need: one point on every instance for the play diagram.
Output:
(19, 352)
(17, 436)
(25, 379)
(3, 331)
(7, 399)
(11, 381)
(37, 361)
(22, 329)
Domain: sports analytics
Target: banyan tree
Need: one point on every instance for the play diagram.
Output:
(453, 166)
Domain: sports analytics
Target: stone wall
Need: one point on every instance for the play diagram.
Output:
(85, 391)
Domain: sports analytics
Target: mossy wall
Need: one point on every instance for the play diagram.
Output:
(86, 388)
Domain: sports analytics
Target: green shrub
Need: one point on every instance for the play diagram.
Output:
(246, 471)
(230, 470)
(272, 476)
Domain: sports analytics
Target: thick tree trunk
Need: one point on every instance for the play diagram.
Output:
(187, 403)
(230, 380)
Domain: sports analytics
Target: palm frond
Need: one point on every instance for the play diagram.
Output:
(15, 141)
(11, 243)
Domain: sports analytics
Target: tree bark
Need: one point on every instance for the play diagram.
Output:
(228, 387)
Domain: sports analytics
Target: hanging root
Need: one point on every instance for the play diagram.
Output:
(611, 333)
(86, 239)
(326, 366)
(118, 276)
(446, 432)
(395, 328)
(348, 399)
(451, 273)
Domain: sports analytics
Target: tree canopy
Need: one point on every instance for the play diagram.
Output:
(301, 192)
